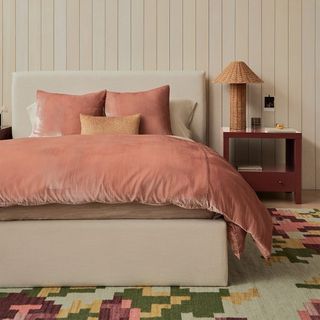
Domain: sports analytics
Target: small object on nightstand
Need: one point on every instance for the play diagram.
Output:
(255, 123)
(279, 125)
(275, 179)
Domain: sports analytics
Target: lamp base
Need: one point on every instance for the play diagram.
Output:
(238, 106)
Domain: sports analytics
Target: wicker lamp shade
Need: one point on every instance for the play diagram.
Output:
(237, 74)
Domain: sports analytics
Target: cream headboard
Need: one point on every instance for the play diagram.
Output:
(183, 85)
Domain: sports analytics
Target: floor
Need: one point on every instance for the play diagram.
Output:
(310, 199)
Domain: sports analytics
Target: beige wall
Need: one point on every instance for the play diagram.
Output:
(280, 39)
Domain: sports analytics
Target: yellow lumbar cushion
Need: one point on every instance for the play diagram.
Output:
(110, 125)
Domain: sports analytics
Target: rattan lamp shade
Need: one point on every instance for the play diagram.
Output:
(237, 74)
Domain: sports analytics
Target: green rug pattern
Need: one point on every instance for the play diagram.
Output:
(285, 287)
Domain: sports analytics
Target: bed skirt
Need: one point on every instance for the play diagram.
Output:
(113, 253)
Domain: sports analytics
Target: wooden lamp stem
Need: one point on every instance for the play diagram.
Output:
(238, 106)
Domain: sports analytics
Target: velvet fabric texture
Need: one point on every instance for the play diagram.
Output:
(149, 169)
(59, 114)
(110, 125)
(152, 105)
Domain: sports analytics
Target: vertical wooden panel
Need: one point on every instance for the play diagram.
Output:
(267, 74)
(47, 35)
(22, 35)
(242, 30)
(34, 34)
(189, 35)
(73, 34)
(281, 61)
(228, 50)
(202, 44)
(281, 70)
(202, 39)
(215, 67)
(254, 90)
(124, 34)
(150, 31)
(176, 23)
(308, 92)
(85, 35)
(163, 34)
(98, 34)
(295, 66)
(8, 54)
(137, 35)
(112, 35)
(60, 34)
(241, 146)
(317, 95)
(1, 52)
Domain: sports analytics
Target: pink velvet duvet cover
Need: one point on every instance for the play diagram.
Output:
(150, 169)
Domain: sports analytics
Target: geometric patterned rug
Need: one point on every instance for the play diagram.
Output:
(286, 287)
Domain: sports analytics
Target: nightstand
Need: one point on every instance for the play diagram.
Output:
(5, 133)
(277, 179)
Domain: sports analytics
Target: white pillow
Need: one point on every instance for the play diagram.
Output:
(181, 115)
(32, 113)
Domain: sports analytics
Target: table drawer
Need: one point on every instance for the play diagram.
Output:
(270, 181)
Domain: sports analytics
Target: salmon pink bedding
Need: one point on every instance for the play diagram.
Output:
(150, 169)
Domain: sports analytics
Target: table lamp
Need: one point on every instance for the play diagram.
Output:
(237, 74)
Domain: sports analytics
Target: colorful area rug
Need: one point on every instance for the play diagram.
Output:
(286, 287)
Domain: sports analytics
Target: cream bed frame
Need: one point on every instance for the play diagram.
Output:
(185, 252)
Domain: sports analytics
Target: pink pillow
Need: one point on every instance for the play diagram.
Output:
(152, 105)
(59, 114)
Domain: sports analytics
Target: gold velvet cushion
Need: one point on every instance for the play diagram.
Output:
(110, 125)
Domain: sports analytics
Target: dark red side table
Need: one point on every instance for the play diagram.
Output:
(278, 179)
(5, 133)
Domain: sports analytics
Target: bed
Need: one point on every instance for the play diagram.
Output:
(112, 244)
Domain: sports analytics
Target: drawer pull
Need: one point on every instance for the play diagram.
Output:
(280, 181)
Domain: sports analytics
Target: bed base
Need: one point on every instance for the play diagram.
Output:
(113, 253)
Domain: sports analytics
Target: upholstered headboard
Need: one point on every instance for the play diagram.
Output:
(183, 85)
